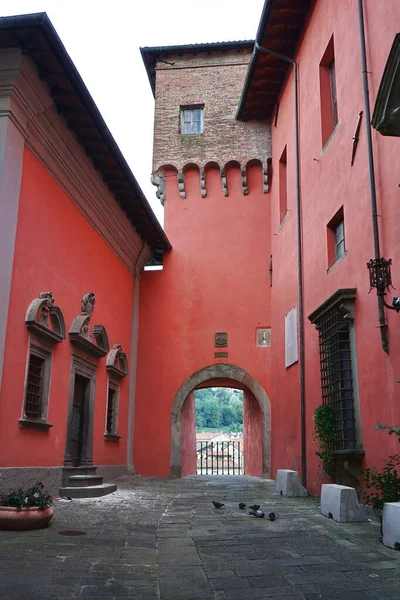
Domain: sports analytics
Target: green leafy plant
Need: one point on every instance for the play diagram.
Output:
(31, 497)
(384, 485)
(324, 433)
(391, 429)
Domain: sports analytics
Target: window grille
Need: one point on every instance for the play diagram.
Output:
(111, 410)
(337, 374)
(191, 120)
(34, 388)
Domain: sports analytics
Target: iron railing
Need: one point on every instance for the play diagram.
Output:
(219, 458)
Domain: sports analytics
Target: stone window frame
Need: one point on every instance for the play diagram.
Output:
(88, 369)
(191, 109)
(344, 299)
(40, 349)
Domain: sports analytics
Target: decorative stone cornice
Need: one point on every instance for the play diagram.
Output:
(27, 101)
(344, 298)
(44, 319)
(116, 362)
(80, 334)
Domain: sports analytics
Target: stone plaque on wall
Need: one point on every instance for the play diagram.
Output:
(221, 340)
(291, 346)
(263, 339)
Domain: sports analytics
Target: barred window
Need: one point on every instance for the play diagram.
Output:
(334, 322)
(112, 411)
(34, 387)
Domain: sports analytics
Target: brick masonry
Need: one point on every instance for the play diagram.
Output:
(214, 79)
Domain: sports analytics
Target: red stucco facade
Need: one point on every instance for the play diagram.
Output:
(73, 221)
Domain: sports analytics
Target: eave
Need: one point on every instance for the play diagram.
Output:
(35, 35)
(151, 55)
(386, 117)
(280, 28)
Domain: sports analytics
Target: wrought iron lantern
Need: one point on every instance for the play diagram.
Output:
(380, 278)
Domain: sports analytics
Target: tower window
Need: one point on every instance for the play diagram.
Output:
(327, 78)
(192, 120)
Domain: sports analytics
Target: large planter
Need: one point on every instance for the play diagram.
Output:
(24, 519)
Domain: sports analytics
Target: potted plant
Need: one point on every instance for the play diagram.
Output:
(26, 509)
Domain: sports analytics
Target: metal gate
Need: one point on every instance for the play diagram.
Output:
(219, 458)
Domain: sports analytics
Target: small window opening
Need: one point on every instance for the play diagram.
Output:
(336, 238)
(192, 120)
(328, 92)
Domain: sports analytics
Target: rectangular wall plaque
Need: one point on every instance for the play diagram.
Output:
(263, 338)
(220, 355)
(291, 350)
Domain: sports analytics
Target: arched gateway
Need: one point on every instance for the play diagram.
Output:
(213, 372)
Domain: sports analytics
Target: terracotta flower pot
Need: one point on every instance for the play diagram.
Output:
(24, 519)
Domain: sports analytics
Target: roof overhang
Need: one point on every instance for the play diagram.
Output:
(151, 55)
(35, 35)
(280, 27)
(386, 117)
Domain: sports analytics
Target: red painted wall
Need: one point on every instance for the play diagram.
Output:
(327, 183)
(252, 435)
(214, 279)
(189, 455)
(58, 250)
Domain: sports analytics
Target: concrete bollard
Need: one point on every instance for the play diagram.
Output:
(288, 484)
(340, 503)
(391, 525)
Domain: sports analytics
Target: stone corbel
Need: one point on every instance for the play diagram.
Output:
(245, 188)
(203, 188)
(116, 362)
(96, 343)
(181, 185)
(267, 173)
(159, 182)
(224, 182)
(45, 319)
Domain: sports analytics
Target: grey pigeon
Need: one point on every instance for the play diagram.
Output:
(255, 507)
(272, 516)
(218, 504)
(242, 505)
(257, 513)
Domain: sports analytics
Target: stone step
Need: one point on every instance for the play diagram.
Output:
(91, 491)
(84, 480)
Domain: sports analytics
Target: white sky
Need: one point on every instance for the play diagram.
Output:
(103, 40)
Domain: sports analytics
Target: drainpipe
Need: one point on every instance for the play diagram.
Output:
(299, 261)
(371, 171)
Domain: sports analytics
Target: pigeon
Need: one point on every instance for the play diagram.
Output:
(242, 505)
(257, 513)
(255, 507)
(218, 504)
(272, 516)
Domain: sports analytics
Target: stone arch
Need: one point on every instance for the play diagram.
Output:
(227, 372)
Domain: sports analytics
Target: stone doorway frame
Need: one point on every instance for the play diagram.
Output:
(219, 371)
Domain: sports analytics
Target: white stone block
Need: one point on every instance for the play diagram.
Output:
(391, 525)
(340, 503)
(288, 484)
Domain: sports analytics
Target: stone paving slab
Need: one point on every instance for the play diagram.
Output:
(162, 539)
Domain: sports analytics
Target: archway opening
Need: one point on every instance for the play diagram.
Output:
(256, 419)
(219, 431)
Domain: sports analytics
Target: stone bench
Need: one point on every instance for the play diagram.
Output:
(340, 503)
(391, 525)
(288, 484)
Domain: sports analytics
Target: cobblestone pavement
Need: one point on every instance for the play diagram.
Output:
(162, 539)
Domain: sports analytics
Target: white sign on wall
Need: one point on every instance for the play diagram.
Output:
(291, 346)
